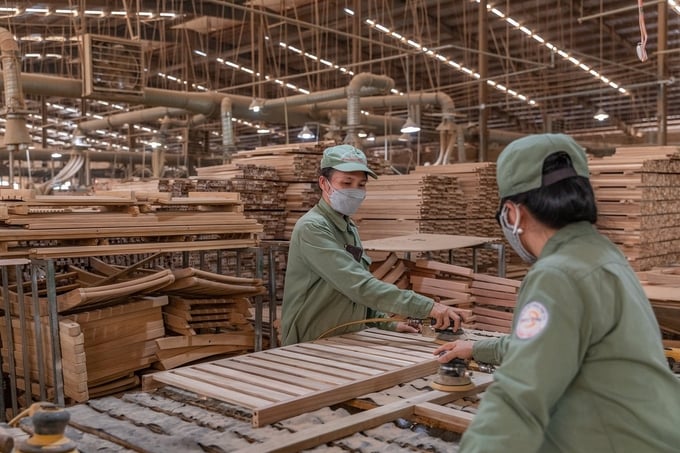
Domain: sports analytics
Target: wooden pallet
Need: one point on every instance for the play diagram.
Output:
(287, 381)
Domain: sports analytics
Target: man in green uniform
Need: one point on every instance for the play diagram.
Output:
(583, 369)
(328, 283)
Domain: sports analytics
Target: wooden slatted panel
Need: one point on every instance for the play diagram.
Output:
(280, 383)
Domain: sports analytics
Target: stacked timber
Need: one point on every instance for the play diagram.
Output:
(406, 204)
(495, 300)
(299, 162)
(477, 182)
(117, 341)
(300, 198)
(261, 190)
(662, 287)
(637, 191)
(63, 226)
(208, 313)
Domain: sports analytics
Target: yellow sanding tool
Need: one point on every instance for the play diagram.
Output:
(49, 424)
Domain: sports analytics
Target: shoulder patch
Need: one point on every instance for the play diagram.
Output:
(532, 320)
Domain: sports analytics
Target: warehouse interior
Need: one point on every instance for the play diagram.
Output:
(138, 124)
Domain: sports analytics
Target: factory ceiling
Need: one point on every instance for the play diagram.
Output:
(522, 66)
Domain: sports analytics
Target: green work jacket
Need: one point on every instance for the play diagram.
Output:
(583, 369)
(326, 286)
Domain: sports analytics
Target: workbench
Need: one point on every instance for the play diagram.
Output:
(426, 243)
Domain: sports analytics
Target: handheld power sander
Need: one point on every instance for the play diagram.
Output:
(453, 376)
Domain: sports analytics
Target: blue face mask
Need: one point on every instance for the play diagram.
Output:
(512, 232)
(346, 201)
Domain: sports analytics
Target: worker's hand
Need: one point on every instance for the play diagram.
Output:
(406, 327)
(459, 349)
(443, 315)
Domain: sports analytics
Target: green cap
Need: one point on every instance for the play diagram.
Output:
(346, 158)
(520, 166)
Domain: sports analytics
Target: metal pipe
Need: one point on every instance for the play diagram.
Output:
(359, 82)
(134, 117)
(438, 98)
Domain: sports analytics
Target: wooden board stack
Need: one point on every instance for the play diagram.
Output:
(209, 312)
(484, 302)
(261, 189)
(117, 341)
(405, 204)
(298, 162)
(637, 191)
(121, 223)
(662, 286)
(477, 181)
(300, 198)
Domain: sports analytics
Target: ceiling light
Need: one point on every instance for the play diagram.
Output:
(362, 133)
(262, 130)
(55, 155)
(409, 126)
(371, 137)
(256, 105)
(601, 115)
(404, 138)
(305, 133)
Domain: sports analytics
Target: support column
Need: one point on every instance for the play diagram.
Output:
(662, 74)
(482, 36)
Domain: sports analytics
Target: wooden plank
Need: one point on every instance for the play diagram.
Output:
(346, 426)
(448, 418)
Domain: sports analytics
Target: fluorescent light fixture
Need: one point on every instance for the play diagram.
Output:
(371, 137)
(601, 115)
(262, 130)
(409, 126)
(404, 138)
(305, 133)
(55, 155)
(256, 105)
(362, 133)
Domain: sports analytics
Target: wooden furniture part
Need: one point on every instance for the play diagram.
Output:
(287, 381)
(426, 404)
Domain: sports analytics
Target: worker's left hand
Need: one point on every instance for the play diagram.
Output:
(406, 327)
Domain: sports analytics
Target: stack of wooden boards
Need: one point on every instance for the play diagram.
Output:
(638, 201)
(43, 226)
(459, 199)
(487, 303)
(296, 164)
(405, 204)
(112, 324)
(209, 312)
(262, 192)
(662, 286)
(484, 302)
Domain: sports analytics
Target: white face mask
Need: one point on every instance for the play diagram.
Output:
(512, 233)
(346, 201)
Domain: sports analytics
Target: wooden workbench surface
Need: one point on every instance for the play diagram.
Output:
(423, 242)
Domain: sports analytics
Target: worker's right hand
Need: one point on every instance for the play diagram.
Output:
(459, 349)
(443, 315)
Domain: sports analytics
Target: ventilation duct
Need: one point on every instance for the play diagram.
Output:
(16, 134)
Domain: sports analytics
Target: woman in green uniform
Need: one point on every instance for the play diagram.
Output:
(583, 369)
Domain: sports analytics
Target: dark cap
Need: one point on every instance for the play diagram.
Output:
(520, 166)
